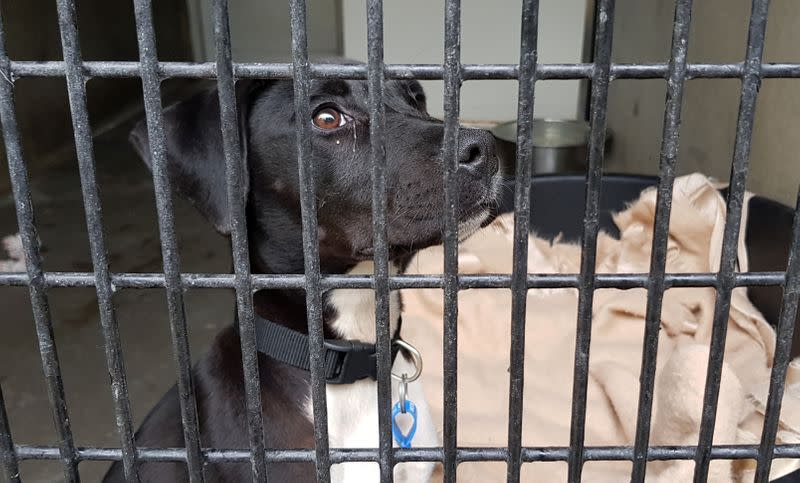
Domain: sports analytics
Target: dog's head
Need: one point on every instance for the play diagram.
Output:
(343, 167)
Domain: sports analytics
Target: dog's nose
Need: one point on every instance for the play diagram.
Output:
(476, 151)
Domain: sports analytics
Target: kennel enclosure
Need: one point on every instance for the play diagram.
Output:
(600, 72)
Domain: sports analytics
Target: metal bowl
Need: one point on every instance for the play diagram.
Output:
(559, 145)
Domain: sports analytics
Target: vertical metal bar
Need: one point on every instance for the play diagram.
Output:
(235, 172)
(783, 347)
(76, 89)
(658, 257)
(8, 456)
(151, 92)
(377, 122)
(452, 100)
(591, 225)
(33, 263)
(751, 81)
(528, 54)
(308, 207)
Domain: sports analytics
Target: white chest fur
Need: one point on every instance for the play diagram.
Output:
(353, 408)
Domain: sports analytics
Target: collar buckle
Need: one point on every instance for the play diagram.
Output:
(356, 361)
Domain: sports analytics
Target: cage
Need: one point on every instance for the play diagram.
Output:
(773, 235)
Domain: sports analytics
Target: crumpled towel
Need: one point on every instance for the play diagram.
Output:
(484, 325)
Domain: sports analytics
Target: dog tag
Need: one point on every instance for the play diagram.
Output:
(410, 409)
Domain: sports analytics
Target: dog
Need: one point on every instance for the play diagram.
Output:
(342, 170)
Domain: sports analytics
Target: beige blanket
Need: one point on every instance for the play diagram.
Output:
(618, 326)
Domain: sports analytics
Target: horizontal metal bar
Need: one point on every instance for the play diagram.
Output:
(396, 282)
(464, 454)
(208, 70)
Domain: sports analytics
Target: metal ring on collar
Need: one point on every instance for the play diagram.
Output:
(403, 392)
(416, 358)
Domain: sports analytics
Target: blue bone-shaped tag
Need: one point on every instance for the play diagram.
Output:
(404, 440)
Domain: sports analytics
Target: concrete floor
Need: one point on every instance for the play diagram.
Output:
(132, 241)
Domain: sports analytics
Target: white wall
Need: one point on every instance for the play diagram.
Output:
(414, 33)
(490, 33)
(708, 131)
(260, 29)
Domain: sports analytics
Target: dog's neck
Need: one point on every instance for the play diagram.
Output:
(354, 309)
(347, 313)
(276, 247)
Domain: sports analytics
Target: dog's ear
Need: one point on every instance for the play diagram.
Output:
(195, 157)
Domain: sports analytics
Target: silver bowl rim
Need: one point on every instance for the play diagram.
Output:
(501, 131)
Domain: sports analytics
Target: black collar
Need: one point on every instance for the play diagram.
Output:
(346, 361)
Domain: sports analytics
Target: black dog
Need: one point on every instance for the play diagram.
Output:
(341, 156)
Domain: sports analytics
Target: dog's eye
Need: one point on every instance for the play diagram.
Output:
(329, 118)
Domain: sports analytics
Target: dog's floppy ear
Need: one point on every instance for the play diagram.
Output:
(195, 157)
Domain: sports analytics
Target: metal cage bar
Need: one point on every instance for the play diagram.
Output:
(782, 357)
(308, 207)
(528, 55)
(464, 454)
(18, 175)
(604, 33)
(396, 282)
(235, 173)
(377, 125)
(76, 90)
(151, 93)
(449, 149)
(658, 253)
(272, 70)
(8, 456)
(751, 81)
